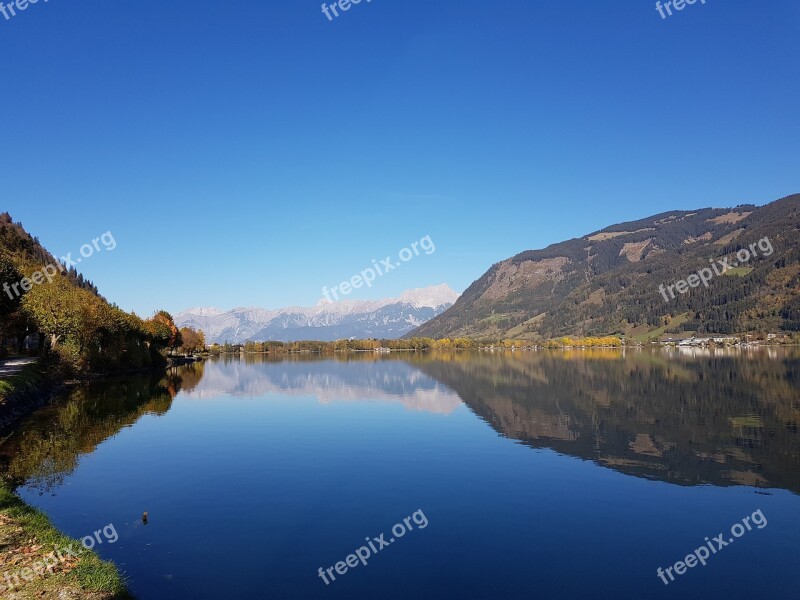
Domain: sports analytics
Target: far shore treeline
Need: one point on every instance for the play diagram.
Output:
(412, 344)
(419, 344)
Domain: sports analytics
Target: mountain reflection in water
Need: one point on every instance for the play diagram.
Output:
(720, 417)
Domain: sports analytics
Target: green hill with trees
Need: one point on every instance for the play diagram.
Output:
(609, 282)
(74, 327)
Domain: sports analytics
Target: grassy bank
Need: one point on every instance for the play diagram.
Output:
(32, 387)
(27, 539)
(30, 379)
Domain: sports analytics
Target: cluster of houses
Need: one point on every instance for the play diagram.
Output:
(730, 340)
(690, 342)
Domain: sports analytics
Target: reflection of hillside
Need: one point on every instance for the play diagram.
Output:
(48, 446)
(722, 418)
(328, 381)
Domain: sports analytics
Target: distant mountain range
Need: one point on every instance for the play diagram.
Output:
(389, 318)
(609, 281)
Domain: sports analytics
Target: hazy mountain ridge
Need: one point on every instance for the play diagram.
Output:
(608, 281)
(388, 318)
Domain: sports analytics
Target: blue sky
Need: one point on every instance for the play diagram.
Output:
(251, 152)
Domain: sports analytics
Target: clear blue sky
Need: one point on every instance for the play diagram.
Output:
(251, 152)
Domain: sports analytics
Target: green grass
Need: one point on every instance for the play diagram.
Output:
(493, 318)
(22, 524)
(29, 378)
(524, 328)
(679, 320)
(747, 421)
(738, 271)
(23, 527)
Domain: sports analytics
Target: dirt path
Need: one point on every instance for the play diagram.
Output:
(12, 366)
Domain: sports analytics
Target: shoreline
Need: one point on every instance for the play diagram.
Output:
(25, 392)
(30, 540)
(38, 383)
(28, 537)
(88, 577)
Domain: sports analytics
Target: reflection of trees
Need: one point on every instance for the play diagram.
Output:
(48, 446)
(725, 419)
(722, 418)
(190, 375)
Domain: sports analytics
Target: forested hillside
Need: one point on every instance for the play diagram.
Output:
(609, 281)
(66, 316)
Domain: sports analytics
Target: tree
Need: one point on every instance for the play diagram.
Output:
(9, 275)
(57, 309)
(162, 317)
(195, 341)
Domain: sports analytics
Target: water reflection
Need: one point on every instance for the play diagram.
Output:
(721, 417)
(689, 418)
(48, 445)
(364, 377)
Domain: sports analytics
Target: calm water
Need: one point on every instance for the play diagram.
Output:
(539, 475)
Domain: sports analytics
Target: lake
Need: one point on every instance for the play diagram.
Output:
(563, 474)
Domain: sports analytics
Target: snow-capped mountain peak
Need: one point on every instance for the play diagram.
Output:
(433, 296)
(327, 321)
(207, 311)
